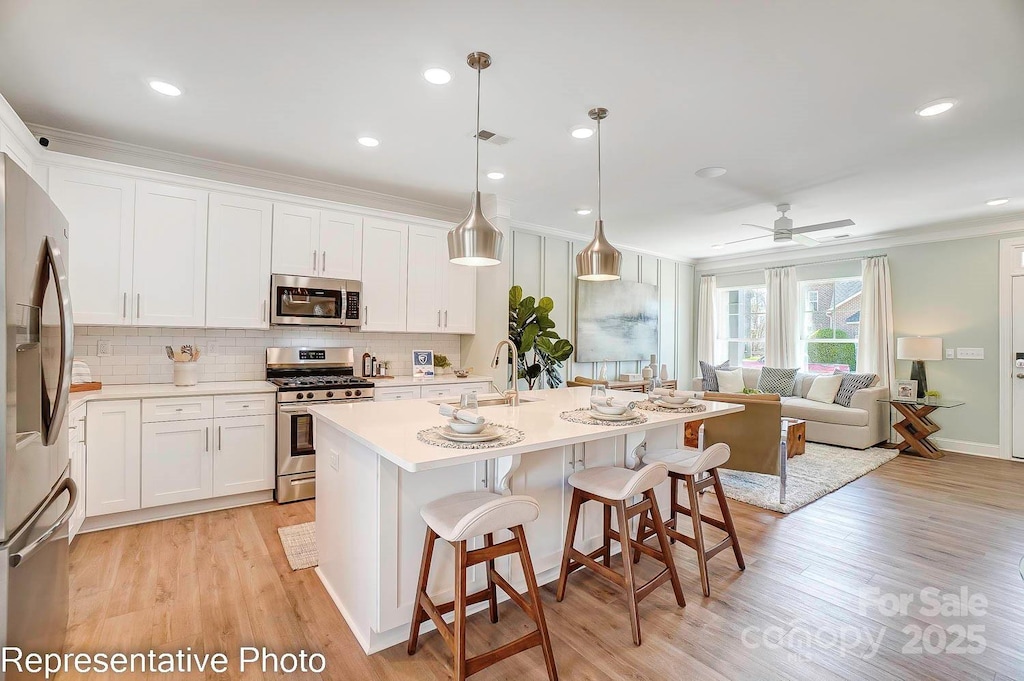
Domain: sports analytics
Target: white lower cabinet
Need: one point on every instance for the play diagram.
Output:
(177, 464)
(113, 444)
(76, 451)
(243, 457)
(430, 391)
(390, 394)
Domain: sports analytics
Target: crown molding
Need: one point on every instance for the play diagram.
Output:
(945, 231)
(542, 230)
(100, 148)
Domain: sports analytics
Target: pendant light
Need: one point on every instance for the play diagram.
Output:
(599, 260)
(475, 241)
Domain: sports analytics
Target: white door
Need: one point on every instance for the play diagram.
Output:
(243, 459)
(341, 245)
(1017, 348)
(296, 240)
(459, 297)
(385, 274)
(177, 464)
(100, 210)
(169, 272)
(113, 446)
(427, 265)
(238, 263)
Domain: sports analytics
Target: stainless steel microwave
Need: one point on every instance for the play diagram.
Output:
(314, 301)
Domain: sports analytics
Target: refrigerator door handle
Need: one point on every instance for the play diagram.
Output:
(67, 334)
(68, 484)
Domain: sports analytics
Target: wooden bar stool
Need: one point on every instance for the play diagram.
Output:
(457, 519)
(687, 466)
(612, 486)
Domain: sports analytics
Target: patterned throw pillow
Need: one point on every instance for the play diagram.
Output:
(778, 381)
(708, 379)
(851, 384)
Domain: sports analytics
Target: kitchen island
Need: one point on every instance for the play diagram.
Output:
(373, 475)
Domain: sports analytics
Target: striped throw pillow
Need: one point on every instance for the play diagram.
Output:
(851, 384)
(778, 381)
(708, 378)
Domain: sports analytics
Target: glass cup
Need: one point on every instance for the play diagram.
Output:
(468, 401)
(598, 392)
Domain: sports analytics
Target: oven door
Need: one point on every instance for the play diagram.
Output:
(295, 452)
(308, 301)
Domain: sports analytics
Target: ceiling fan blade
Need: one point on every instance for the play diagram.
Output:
(824, 225)
(767, 229)
(739, 241)
(805, 240)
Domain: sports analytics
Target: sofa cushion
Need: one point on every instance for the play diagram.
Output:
(851, 384)
(775, 380)
(824, 389)
(809, 410)
(751, 375)
(707, 372)
(730, 381)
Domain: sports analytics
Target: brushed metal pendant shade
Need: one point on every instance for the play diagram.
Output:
(599, 260)
(475, 241)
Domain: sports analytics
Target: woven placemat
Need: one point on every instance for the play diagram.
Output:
(509, 436)
(647, 405)
(582, 415)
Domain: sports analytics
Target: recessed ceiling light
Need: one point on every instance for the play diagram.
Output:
(717, 246)
(710, 172)
(369, 141)
(165, 88)
(437, 76)
(495, 175)
(997, 202)
(939, 106)
(581, 132)
(582, 211)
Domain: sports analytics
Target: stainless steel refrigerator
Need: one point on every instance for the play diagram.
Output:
(36, 494)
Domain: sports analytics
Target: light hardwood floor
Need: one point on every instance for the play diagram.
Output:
(220, 580)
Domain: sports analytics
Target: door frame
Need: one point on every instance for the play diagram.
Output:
(1010, 266)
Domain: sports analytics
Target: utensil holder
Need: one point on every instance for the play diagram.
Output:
(186, 373)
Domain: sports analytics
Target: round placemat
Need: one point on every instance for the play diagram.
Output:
(647, 405)
(509, 436)
(582, 415)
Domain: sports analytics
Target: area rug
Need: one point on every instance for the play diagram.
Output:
(299, 542)
(820, 470)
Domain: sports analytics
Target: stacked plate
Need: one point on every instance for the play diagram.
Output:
(675, 405)
(460, 431)
(628, 415)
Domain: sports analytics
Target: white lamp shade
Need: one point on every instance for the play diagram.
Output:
(919, 347)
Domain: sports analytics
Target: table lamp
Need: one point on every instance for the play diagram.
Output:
(919, 349)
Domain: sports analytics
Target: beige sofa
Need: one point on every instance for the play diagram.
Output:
(863, 424)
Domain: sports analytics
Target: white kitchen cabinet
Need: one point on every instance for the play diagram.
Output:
(100, 210)
(169, 268)
(451, 390)
(310, 242)
(428, 256)
(459, 288)
(243, 459)
(113, 445)
(177, 464)
(238, 262)
(411, 392)
(385, 274)
(76, 449)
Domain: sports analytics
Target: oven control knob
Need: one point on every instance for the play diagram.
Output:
(298, 396)
(330, 394)
(309, 396)
(358, 393)
(348, 393)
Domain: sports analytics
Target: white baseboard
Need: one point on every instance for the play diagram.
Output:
(966, 447)
(146, 515)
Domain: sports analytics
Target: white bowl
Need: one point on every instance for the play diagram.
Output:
(674, 400)
(610, 409)
(466, 428)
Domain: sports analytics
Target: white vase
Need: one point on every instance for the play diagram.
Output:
(664, 372)
(186, 373)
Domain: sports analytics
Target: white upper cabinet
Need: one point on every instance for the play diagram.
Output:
(459, 297)
(100, 210)
(341, 245)
(296, 240)
(169, 271)
(238, 262)
(428, 256)
(385, 274)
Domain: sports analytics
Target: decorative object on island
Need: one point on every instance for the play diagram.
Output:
(616, 321)
(441, 363)
(475, 241)
(919, 349)
(530, 328)
(599, 260)
(186, 371)
(422, 364)
(906, 391)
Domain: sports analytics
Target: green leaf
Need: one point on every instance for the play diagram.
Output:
(525, 309)
(533, 371)
(545, 323)
(546, 305)
(561, 350)
(550, 334)
(529, 334)
(515, 295)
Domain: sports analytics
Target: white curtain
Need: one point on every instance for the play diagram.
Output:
(875, 349)
(706, 319)
(782, 321)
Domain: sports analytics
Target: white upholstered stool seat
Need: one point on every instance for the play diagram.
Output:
(618, 484)
(471, 514)
(689, 461)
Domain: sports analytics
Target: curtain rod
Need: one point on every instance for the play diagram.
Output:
(816, 262)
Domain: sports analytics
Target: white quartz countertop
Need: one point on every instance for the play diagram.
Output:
(389, 428)
(446, 379)
(143, 390)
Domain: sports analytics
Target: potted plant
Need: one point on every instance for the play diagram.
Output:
(531, 329)
(931, 397)
(441, 363)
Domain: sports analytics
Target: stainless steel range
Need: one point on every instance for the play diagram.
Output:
(307, 376)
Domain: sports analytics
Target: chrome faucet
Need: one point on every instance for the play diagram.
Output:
(511, 396)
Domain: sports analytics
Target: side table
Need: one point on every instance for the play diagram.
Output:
(916, 426)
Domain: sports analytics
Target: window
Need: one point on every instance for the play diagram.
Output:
(741, 320)
(831, 324)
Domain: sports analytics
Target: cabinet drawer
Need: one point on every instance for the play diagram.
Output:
(466, 388)
(244, 405)
(177, 409)
(389, 394)
(438, 391)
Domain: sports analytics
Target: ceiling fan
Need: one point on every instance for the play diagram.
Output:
(784, 232)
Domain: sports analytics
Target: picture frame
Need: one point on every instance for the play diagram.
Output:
(422, 363)
(906, 390)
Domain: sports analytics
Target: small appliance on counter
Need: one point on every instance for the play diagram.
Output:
(306, 376)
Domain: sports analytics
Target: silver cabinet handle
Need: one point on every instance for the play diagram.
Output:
(439, 319)
(1020, 375)
(323, 262)
(138, 305)
(220, 438)
(314, 262)
(206, 440)
(124, 306)
(485, 475)
(366, 315)
(446, 319)
(263, 315)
